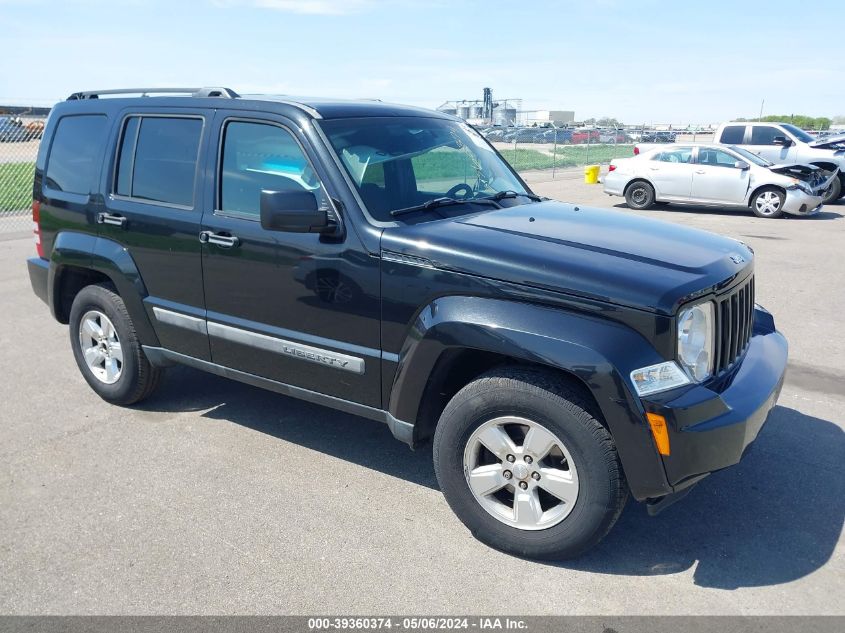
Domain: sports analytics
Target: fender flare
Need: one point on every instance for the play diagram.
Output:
(109, 258)
(597, 351)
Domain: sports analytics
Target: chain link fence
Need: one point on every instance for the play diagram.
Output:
(19, 139)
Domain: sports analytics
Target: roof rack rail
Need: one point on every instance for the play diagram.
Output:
(227, 93)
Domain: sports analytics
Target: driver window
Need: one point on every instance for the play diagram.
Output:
(260, 156)
(716, 158)
(764, 134)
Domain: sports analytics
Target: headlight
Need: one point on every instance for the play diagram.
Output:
(695, 340)
(802, 186)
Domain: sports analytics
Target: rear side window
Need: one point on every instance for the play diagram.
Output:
(733, 135)
(158, 159)
(675, 155)
(74, 161)
(764, 134)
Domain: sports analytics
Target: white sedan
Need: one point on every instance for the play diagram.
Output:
(716, 175)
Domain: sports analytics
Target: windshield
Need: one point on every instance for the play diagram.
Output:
(750, 157)
(798, 133)
(402, 162)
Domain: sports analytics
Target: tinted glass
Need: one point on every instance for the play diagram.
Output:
(733, 134)
(127, 155)
(764, 134)
(257, 156)
(166, 160)
(74, 161)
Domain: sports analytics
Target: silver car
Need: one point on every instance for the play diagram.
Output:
(719, 176)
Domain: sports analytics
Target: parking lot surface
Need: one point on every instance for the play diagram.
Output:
(214, 497)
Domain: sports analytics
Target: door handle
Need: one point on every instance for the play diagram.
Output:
(700, 171)
(218, 239)
(654, 168)
(112, 219)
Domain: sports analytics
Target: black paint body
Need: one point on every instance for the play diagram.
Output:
(589, 292)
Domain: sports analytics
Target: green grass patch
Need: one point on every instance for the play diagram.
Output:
(16, 186)
(565, 156)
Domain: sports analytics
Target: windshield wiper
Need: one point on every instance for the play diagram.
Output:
(442, 202)
(509, 193)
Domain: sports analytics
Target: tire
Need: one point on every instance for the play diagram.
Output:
(134, 378)
(834, 192)
(768, 203)
(593, 478)
(639, 195)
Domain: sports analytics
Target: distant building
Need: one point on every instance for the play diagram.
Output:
(547, 118)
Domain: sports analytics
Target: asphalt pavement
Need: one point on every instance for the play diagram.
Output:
(214, 497)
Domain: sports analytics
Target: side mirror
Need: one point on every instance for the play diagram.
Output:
(782, 141)
(292, 211)
(741, 164)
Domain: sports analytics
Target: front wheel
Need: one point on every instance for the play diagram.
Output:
(639, 195)
(524, 463)
(834, 192)
(768, 203)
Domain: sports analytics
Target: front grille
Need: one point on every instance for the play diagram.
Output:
(734, 323)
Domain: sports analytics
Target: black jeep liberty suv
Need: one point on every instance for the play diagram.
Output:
(386, 261)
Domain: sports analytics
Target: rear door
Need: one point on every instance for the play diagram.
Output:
(298, 308)
(716, 180)
(153, 210)
(670, 171)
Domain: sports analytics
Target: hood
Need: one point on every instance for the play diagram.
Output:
(814, 176)
(611, 256)
(836, 141)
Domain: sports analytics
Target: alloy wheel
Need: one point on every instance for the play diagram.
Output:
(100, 347)
(521, 473)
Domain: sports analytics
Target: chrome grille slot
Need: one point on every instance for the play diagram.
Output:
(734, 324)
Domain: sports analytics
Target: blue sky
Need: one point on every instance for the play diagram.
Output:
(638, 60)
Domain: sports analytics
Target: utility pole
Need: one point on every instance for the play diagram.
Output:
(762, 103)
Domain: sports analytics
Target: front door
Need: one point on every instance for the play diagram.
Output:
(761, 142)
(297, 308)
(716, 180)
(153, 210)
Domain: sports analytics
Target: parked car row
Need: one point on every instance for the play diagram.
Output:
(14, 129)
(573, 136)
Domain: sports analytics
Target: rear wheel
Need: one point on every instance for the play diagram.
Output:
(639, 195)
(527, 467)
(768, 203)
(107, 349)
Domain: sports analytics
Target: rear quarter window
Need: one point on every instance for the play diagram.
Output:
(73, 164)
(733, 135)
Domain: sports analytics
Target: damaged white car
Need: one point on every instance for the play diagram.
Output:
(719, 176)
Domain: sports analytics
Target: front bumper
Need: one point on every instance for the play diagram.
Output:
(801, 203)
(712, 424)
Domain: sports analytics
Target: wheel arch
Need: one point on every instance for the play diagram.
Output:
(455, 339)
(79, 260)
(760, 188)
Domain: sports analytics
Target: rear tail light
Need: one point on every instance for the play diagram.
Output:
(636, 150)
(612, 167)
(36, 227)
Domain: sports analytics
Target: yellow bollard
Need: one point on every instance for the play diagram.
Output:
(591, 174)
